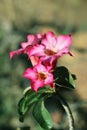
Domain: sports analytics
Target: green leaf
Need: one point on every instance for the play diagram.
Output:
(29, 98)
(42, 116)
(22, 109)
(45, 89)
(64, 78)
(26, 103)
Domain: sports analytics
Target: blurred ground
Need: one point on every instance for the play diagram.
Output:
(19, 18)
(66, 12)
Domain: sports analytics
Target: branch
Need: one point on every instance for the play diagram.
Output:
(67, 110)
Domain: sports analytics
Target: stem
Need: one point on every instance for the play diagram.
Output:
(67, 110)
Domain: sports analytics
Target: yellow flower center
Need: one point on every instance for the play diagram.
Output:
(49, 52)
(42, 76)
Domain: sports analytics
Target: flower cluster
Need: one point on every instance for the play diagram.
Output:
(43, 52)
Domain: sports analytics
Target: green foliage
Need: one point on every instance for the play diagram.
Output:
(42, 116)
(64, 78)
(26, 103)
(30, 97)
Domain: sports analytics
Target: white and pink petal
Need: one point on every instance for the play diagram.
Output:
(30, 74)
(63, 41)
(18, 52)
(37, 50)
(35, 85)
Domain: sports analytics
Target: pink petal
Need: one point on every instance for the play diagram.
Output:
(63, 51)
(18, 52)
(49, 41)
(35, 85)
(30, 38)
(40, 68)
(24, 44)
(39, 36)
(50, 36)
(30, 74)
(49, 79)
(34, 60)
(30, 41)
(63, 41)
(49, 60)
(37, 50)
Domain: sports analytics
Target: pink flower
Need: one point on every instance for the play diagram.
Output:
(18, 52)
(39, 76)
(25, 46)
(52, 47)
(34, 60)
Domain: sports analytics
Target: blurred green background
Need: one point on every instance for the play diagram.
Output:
(21, 17)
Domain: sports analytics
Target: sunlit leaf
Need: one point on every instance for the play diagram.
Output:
(42, 116)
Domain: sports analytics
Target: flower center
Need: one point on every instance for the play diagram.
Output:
(42, 76)
(49, 52)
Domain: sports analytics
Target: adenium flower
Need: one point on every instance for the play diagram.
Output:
(43, 51)
(52, 47)
(25, 47)
(39, 76)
